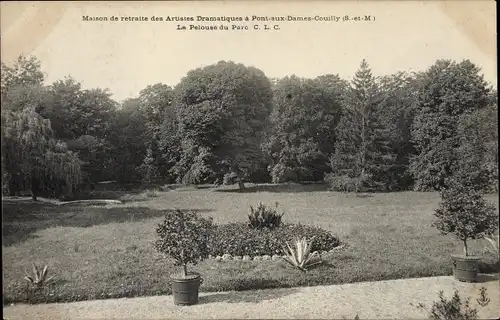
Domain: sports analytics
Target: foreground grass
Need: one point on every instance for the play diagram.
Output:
(107, 252)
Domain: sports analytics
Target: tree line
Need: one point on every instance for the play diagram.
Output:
(229, 123)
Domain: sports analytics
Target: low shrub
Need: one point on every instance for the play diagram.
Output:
(238, 239)
(455, 308)
(364, 183)
(340, 183)
(264, 217)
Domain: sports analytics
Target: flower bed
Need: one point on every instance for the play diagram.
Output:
(226, 256)
(237, 239)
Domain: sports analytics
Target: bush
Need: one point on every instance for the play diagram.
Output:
(238, 239)
(362, 183)
(264, 217)
(340, 183)
(455, 308)
(229, 178)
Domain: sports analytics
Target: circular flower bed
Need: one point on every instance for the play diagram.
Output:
(237, 239)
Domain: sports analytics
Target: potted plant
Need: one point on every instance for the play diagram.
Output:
(464, 213)
(184, 237)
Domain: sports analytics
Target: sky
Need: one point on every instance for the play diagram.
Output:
(126, 56)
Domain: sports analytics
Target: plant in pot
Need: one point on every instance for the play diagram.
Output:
(184, 236)
(464, 213)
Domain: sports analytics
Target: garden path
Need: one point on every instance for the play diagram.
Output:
(392, 299)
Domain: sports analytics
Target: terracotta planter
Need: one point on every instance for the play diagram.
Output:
(185, 289)
(465, 268)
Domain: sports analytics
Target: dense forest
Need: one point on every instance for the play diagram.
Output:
(229, 123)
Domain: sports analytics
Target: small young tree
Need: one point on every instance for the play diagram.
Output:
(184, 237)
(464, 213)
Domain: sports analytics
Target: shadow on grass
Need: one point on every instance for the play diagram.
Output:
(103, 194)
(203, 187)
(22, 219)
(250, 296)
(278, 188)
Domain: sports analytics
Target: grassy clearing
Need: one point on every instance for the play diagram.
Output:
(145, 195)
(106, 251)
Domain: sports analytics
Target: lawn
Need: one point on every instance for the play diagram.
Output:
(99, 252)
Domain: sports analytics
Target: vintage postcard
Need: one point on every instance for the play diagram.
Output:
(249, 159)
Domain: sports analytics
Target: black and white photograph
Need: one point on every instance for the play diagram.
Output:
(249, 160)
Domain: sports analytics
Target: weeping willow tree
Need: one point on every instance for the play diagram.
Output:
(32, 159)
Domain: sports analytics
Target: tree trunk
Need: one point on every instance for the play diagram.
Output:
(236, 172)
(7, 177)
(363, 150)
(34, 188)
(69, 194)
(184, 264)
(466, 250)
(13, 185)
(241, 184)
(360, 181)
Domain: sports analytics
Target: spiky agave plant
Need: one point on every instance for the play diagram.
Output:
(300, 255)
(39, 278)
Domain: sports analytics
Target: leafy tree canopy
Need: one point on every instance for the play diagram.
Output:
(223, 110)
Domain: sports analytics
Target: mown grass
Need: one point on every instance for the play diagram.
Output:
(106, 252)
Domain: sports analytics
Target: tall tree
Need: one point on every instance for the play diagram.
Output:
(93, 145)
(128, 141)
(21, 85)
(399, 96)
(448, 91)
(65, 109)
(477, 164)
(156, 104)
(34, 159)
(82, 118)
(222, 112)
(25, 71)
(302, 136)
(490, 124)
(31, 156)
(362, 152)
